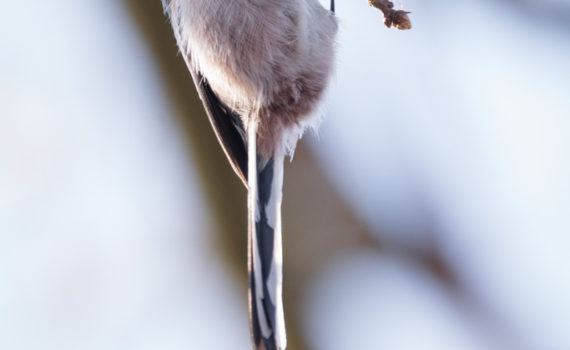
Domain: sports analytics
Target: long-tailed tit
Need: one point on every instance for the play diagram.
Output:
(261, 68)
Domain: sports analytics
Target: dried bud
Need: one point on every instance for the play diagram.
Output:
(380, 3)
(392, 18)
(398, 19)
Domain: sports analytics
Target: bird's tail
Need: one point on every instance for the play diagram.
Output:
(265, 257)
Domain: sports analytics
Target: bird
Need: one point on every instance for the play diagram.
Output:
(261, 69)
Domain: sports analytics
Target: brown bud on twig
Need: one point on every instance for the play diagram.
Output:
(392, 18)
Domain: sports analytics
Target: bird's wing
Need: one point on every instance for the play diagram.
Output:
(226, 124)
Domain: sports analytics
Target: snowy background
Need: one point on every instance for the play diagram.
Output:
(447, 145)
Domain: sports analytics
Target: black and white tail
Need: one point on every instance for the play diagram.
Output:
(265, 256)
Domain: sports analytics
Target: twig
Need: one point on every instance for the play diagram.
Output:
(392, 18)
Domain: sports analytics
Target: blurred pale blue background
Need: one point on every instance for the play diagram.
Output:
(447, 145)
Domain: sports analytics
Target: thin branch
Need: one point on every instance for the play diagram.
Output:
(392, 18)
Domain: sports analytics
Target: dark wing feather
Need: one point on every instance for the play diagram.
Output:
(226, 124)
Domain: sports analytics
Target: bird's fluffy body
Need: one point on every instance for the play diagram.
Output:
(266, 59)
(261, 68)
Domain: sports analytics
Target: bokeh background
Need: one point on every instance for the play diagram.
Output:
(431, 212)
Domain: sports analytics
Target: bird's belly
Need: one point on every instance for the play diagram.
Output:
(269, 60)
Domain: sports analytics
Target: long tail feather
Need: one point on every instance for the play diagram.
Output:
(265, 257)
